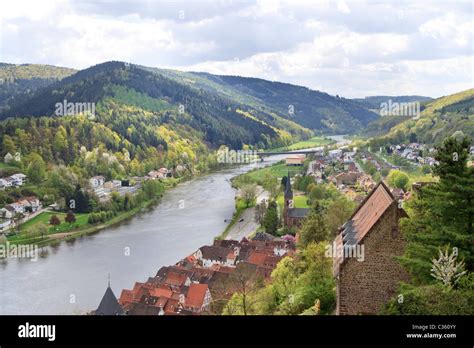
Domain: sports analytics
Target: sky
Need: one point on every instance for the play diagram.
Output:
(350, 48)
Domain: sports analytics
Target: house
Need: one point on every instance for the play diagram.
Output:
(295, 160)
(15, 207)
(26, 206)
(34, 203)
(197, 299)
(8, 158)
(3, 183)
(18, 179)
(349, 178)
(7, 182)
(364, 255)
(210, 255)
(7, 212)
(97, 181)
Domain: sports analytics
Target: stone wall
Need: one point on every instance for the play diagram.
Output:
(363, 287)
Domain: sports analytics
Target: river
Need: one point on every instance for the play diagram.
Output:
(72, 277)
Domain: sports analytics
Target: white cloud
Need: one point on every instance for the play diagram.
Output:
(350, 48)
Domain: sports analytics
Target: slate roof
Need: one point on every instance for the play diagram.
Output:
(109, 304)
(215, 253)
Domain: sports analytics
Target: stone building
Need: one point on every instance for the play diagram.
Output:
(367, 273)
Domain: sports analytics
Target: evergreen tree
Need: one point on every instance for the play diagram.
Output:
(314, 228)
(441, 214)
(270, 221)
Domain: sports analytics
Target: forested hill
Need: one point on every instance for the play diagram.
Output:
(373, 102)
(221, 120)
(439, 119)
(311, 109)
(19, 81)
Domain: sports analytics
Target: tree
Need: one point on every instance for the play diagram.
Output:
(70, 217)
(81, 201)
(377, 177)
(36, 168)
(8, 145)
(441, 213)
(270, 220)
(446, 268)
(40, 229)
(245, 281)
(54, 220)
(248, 192)
(397, 178)
(18, 219)
(314, 228)
(338, 212)
(270, 184)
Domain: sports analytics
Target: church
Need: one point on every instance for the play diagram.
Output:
(292, 217)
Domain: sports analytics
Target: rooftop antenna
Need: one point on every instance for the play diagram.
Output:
(108, 277)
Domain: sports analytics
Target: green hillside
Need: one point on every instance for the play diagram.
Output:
(20, 81)
(373, 102)
(440, 118)
(312, 109)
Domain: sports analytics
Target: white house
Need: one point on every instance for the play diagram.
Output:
(212, 255)
(17, 207)
(18, 179)
(7, 212)
(8, 158)
(34, 202)
(7, 182)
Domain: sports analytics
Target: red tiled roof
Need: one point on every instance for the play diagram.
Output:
(126, 297)
(161, 292)
(196, 294)
(173, 278)
(371, 210)
(257, 258)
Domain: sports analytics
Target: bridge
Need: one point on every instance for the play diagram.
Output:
(295, 152)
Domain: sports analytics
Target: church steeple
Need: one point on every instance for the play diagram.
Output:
(109, 304)
(288, 198)
(288, 190)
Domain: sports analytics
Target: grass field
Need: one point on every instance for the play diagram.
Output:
(313, 142)
(298, 201)
(81, 221)
(278, 170)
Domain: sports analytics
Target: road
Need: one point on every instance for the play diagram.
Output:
(245, 228)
